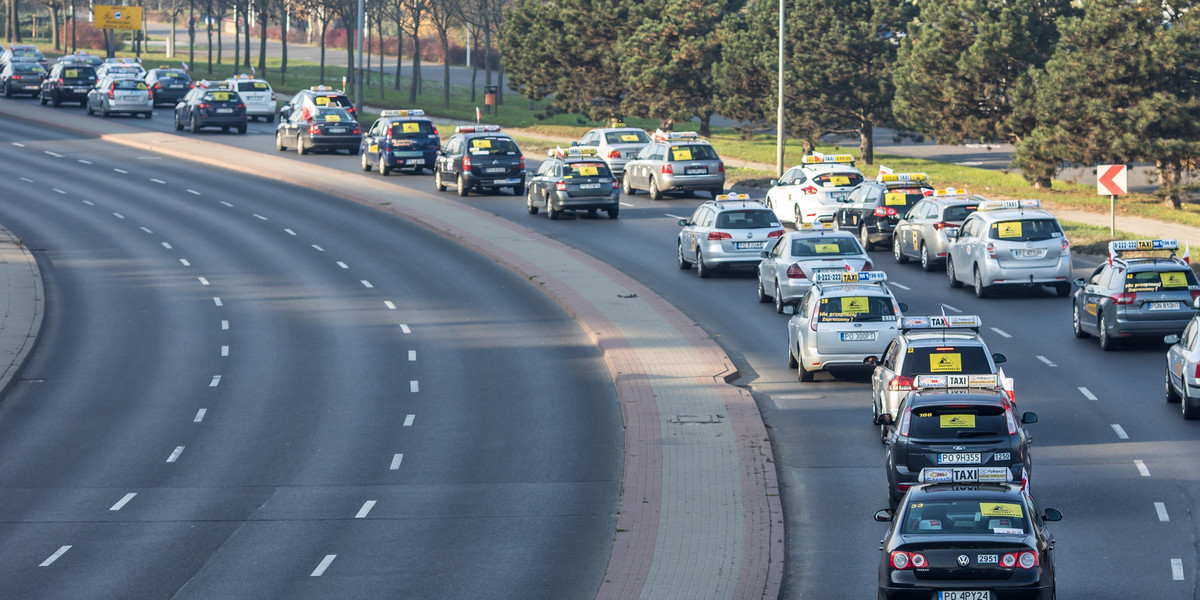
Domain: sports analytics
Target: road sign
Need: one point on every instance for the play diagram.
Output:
(1112, 180)
(117, 17)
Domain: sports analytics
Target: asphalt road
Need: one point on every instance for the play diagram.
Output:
(1128, 500)
(249, 390)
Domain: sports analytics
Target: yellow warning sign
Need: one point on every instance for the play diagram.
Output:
(321, 100)
(1000, 509)
(855, 304)
(1009, 229)
(826, 248)
(589, 171)
(411, 127)
(839, 180)
(681, 154)
(629, 137)
(895, 198)
(950, 362)
(333, 119)
(117, 17)
(1173, 279)
(957, 421)
(481, 144)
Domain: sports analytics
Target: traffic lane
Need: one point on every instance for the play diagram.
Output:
(513, 338)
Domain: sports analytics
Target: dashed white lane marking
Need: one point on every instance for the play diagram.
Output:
(89, 203)
(405, 328)
(289, 231)
(365, 510)
(1141, 467)
(18, 144)
(184, 262)
(216, 380)
(343, 265)
(1176, 568)
(118, 215)
(224, 325)
(123, 501)
(391, 305)
(414, 386)
(1087, 393)
(54, 154)
(366, 284)
(901, 286)
(175, 454)
(200, 415)
(26, 179)
(325, 562)
(122, 171)
(318, 248)
(412, 355)
(63, 550)
(1001, 332)
(261, 218)
(158, 181)
(193, 192)
(224, 350)
(396, 460)
(1161, 509)
(408, 421)
(56, 190)
(1048, 362)
(146, 229)
(626, 204)
(1120, 431)
(217, 301)
(166, 245)
(203, 281)
(149, 158)
(950, 308)
(227, 204)
(674, 216)
(86, 162)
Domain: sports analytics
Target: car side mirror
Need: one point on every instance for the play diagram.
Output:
(573, 144)
(884, 515)
(952, 233)
(999, 358)
(1079, 282)
(1171, 339)
(1029, 418)
(903, 307)
(1052, 514)
(789, 309)
(682, 222)
(1196, 302)
(885, 419)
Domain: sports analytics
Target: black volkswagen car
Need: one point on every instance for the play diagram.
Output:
(68, 82)
(21, 78)
(967, 542)
(329, 128)
(169, 85)
(481, 158)
(873, 208)
(211, 107)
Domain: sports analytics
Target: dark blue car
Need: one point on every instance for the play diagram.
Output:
(400, 139)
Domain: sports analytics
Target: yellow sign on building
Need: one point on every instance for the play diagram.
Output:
(117, 17)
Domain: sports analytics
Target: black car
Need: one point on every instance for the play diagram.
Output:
(317, 96)
(21, 78)
(330, 128)
(211, 107)
(68, 82)
(169, 85)
(400, 139)
(967, 542)
(23, 53)
(956, 429)
(479, 157)
(82, 57)
(873, 208)
(573, 179)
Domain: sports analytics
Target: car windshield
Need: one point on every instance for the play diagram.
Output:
(405, 129)
(253, 86)
(586, 169)
(934, 517)
(931, 360)
(825, 247)
(128, 84)
(855, 309)
(746, 219)
(492, 145)
(837, 180)
(627, 137)
(1025, 230)
(952, 422)
(957, 214)
(1160, 281)
(692, 152)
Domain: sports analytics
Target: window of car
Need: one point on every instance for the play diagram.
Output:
(332, 114)
(872, 195)
(1188, 339)
(954, 422)
(902, 197)
(128, 84)
(454, 146)
(837, 180)
(253, 86)
(492, 145)
(411, 129)
(221, 96)
(825, 247)
(889, 355)
(587, 169)
(955, 517)
(171, 74)
(959, 212)
(968, 228)
(707, 217)
(934, 360)
(635, 136)
(1160, 280)
(1024, 230)
(27, 68)
(746, 219)
(683, 152)
(855, 309)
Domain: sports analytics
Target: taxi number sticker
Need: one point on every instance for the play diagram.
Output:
(373, 148)
(141, 86)
(321, 100)
(481, 143)
(1010, 229)
(895, 198)
(258, 85)
(71, 73)
(411, 127)
(588, 171)
(220, 96)
(855, 304)
(1000, 509)
(945, 363)
(629, 137)
(682, 154)
(835, 180)
(957, 421)
(333, 119)
(826, 248)
(1172, 280)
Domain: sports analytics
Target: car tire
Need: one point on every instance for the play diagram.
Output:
(801, 373)
(195, 127)
(954, 282)
(763, 298)
(55, 100)
(791, 357)
(88, 107)
(178, 125)
(714, 192)
(703, 270)
(626, 188)
(300, 149)
(241, 129)
(897, 252)
(362, 162)
(926, 261)
(1076, 326)
(7, 92)
(1062, 289)
(553, 214)
(613, 212)
(1171, 396)
(224, 129)
(384, 170)
(654, 193)
(529, 205)
(519, 190)
(148, 115)
(864, 238)
(1189, 408)
(104, 113)
(42, 99)
(270, 118)
(1106, 341)
(778, 300)
(462, 186)
(981, 291)
(438, 184)
(279, 145)
(684, 264)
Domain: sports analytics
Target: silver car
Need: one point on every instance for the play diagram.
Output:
(257, 94)
(846, 320)
(616, 146)
(120, 67)
(922, 233)
(121, 96)
(1183, 368)
(1010, 242)
(811, 191)
(675, 162)
(787, 268)
(730, 231)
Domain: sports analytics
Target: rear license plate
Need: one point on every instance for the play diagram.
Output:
(1164, 305)
(837, 197)
(696, 171)
(1029, 253)
(412, 161)
(747, 245)
(130, 97)
(224, 110)
(858, 336)
(336, 130)
(589, 186)
(964, 595)
(495, 170)
(959, 458)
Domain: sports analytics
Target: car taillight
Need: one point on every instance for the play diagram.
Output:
(1009, 560)
(721, 166)
(809, 190)
(314, 129)
(204, 106)
(357, 130)
(795, 272)
(614, 154)
(906, 420)
(940, 225)
(561, 186)
(900, 383)
(191, 85)
(667, 168)
(885, 211)
(719, 235)
(1195, 294)
(435, 133)
(521, 162)
(991, 250)
(775, 234)
(352, 109)
(16, 76)
(466, 162)
(157, 85)
(1197, 373)
(60, 81)
(615, 185)
(241, 106)
(150, 93)
(1124, 298)
(1011, 419)
(272, 96)
(903, 560)
(112, 91)
(867, 266)
(1066, 245)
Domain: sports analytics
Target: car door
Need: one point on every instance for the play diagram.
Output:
(537, 185)
(1176, 354)
(766, 268)
(883, 374)
(369, 147)
(843, 218)
(779, 196)
(960, 247)
(1094, 292)
(917, 224)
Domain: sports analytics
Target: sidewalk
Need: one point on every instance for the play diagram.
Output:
(22, 305)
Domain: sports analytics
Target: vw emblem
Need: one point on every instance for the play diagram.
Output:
(958, 448)
(963, 560)
(749, 235)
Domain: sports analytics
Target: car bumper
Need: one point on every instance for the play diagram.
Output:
(561, 201)
(1127, 328)
(69, 95)
(793, 290)
(15, 88)
(715, 254)
(691, 182)
(425, 159)
(617, 165)
(881, 232)
(220, 121)
(140, 107)
(814, 360)
(262, 110)
(169, 97)
(993, 273)
(502, 181)
(334, 141)
(938, 245)
(927, 592)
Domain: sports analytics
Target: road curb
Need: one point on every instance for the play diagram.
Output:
(24, 303)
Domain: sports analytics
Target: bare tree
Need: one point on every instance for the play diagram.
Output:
(444, 14)
(416, 10)
(53, 7)
(264, 12)
(398, 17)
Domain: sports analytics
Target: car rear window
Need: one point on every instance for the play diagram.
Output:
(79, 73)
(1025, 230)
(821, 247)
(172, 74)
(957, 422)
(945, 359)
(901, 198)
(221, 96)
(746, 219)
(492, 145)
(964, 516)
(855, 309)
(626, 137)
(333, 114)
(1160, 281)
(128, 84)
(586, 169)
(958, 214)
(327, 99)
(28, 68)
(124, 71)
(253, 86)
(691, 152)
(406, 129)
(836, 180)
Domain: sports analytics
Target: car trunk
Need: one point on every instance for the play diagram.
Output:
(851, 324)
(942, 558)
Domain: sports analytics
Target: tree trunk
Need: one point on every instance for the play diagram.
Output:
(399, 46)
(262, 42)
(283, 28)
(74, 40)
(367, 50)
(54, 28)
(445, 70)
(415, 84)
(382, 70)
(706, 124)
(191, 34)
(350, 39)
(220, 46)
(237, 38)
(867, 141)
(324, 27)
(1169, 177)
(246, 15)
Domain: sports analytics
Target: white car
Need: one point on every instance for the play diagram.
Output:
(789, 264)
(846, 320)
(257, 94)
(810, 191)
(1183, 368)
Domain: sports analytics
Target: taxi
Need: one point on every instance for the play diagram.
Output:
(811, 191)
(1007, 243)
(573, 179)
(1135, 296)
(787, 266)
(257, 94)
(846, 320)
(169, 85)
(873, 208)
(121, 68)
(923, 233)
(676, 161)
(208, 105)
(328, 127)
(957, 429)
(1183, 368)
(987, 541)
(729, 231)
(400, 139)
(616, 145)
(67, 82)
(481, 158)
(316, 97)
(81, 57)
(21, 78)
(928, 345)
(116, 95)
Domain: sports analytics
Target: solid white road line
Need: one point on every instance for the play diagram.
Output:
(405, 328)
(950, 308)
(1048, 362)
(216, 380)
(89, 203)
(414, 386)
(123, 501)
(166, 245)
(1176, 568)
(901, 286)
(86, 162)
(389, 304)
(1001, 332)
(175, 454)
(146, 229)
(227, 204)
(224, 350)
(1161, 509)
(157, 181)
(325, 562)
(217, 301)
(318, 248)
(63, 550)
(26, 179)
(184, 262)
(408, 421)
(193, 192)
(396, 460)
(18, 144)
(203, 281)
(54, 154)
(224, 325)
(118, 215)
(366, 284)
(122, 171)
(343, 265)
(412, 355)
(365, 510)
(1087, 393)
(674, 216)
(200, 415)
(626, 204)
(289, 231)
(1120, 431)
(1141, 467)
(58, 191)
(261, 218)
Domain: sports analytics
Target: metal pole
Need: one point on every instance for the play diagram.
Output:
(358, 78)
(1112, 228)
(779, 134)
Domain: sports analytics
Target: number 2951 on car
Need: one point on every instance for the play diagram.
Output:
(964, 595)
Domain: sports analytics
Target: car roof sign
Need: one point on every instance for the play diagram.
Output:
(942, 322)
(839, 276)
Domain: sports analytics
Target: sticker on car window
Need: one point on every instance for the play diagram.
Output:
(321, 100)
(220, 96)
(588, 171)
(71, 73)
(827, 248)
(1173, 279)
(1008, 229)
(950, 362)
(855, 304)
(141, 86)
(629, 137)
(481, 144)
(895, 198)
(1000, 509)
(258, 85)
(333, 119)
(839, 180)
(411, 127)
(681, 154)
(956, 421)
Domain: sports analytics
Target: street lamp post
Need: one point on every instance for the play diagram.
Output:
(358, 79)
(779, 135)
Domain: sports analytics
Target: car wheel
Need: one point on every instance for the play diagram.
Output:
(714, 192)
(279, 145)
(438, 184)
(864, 238)
(366, 166)
(519, 190)
(7, 92)
(897, 252)
(778, 299)
(1172, 397)
(529, 206)
(684, 264)
(981, 291)
(626, 188)
(613, 212)
(224, 130)
(804, 374)
(654, 193)
(104, 113)
(42, 100)
(1075, 324)
(1106, 341)
(797, 218)
(791, 356)
(554, 214)
(195, 127)
(462, 186)
(384, 170)
(1062, 289)
(178, 125)
(88, 106)
(954, 282)
(150, 115)
(241, 129)
(702, 269)
(270, 118)
(763, 298)
(300, 147)
(1189, 408)
(926, 262)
